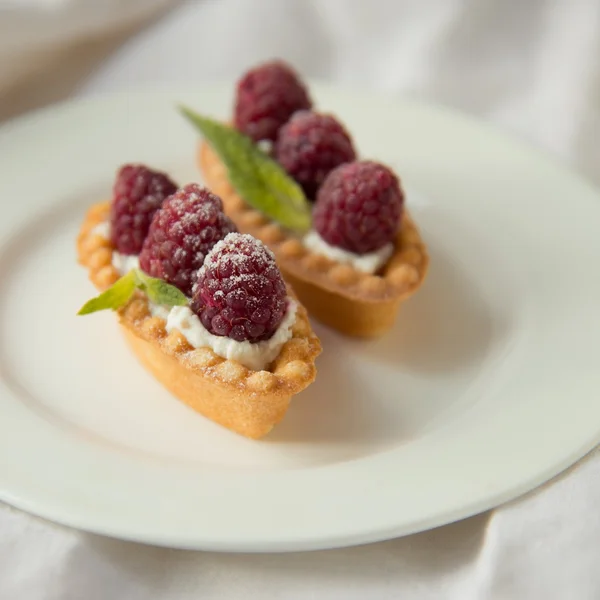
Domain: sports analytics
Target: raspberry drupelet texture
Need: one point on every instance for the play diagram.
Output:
(138, 193)
(310, 145)
(266, 98)
(240, 292)
(359, 207)
(182, 233)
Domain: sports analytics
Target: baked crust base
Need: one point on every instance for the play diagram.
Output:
(245, 401)
(338, 295)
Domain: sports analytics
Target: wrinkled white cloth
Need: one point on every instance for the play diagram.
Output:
(532, 66)
(35, 33)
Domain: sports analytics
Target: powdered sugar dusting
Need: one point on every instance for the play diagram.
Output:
(240, 293)
(182, 233)
(237, 247)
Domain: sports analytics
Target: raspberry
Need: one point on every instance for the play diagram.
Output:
(138, 193)
(310, 145)
(359, 207)
(182, 233)
(240, 292)
(266, 98)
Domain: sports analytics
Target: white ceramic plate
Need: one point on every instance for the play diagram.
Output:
(487, 387)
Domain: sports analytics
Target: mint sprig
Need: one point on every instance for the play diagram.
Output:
(120, 292)
(260, 180)
(159, 291)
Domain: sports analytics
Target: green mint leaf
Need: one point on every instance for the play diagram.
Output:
(159, 291)
(120, 292)
(256, 177)
(114, 297)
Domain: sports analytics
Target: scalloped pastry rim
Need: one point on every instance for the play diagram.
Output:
(291, 372)
(401, 276)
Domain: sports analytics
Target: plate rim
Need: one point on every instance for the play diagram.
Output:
(53, 511)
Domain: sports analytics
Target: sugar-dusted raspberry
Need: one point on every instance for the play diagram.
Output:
(310, 145)
(138, 193)
(266, 98)
(182, 233)
(240, 292)
(359, 207)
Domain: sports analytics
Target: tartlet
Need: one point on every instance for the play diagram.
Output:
(242, 400)
(338, 295)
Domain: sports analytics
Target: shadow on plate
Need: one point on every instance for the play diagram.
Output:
(339, 408)
(446, 326)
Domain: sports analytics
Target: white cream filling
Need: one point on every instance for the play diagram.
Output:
(121, 262)
(102, 229)
(159, 310)
(125, 262)
(254, 356)
(367, 263)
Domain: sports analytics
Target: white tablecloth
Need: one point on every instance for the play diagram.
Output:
(532, 66)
